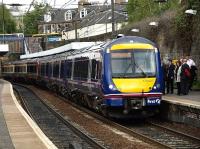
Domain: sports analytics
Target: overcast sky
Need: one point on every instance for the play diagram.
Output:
(58, 3)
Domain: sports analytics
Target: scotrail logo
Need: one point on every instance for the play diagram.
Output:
(153, 101)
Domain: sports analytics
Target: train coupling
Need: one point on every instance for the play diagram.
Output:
(130, 104)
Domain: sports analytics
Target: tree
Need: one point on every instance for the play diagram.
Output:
(140, 9)
(32, 18)
(6, 20)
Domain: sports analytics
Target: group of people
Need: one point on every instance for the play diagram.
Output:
(183, 72)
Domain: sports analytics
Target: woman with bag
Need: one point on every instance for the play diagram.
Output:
(185, 77)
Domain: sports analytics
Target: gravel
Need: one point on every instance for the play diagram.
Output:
(111, 137)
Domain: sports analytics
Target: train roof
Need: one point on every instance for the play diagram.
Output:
(69, 47)
(78, 48)
(131, 39)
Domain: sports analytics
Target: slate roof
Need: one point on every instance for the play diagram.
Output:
(102, 14)
(96, 14)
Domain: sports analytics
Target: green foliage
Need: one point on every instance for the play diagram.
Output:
(140, 9)
(185, 23)
(32, 18)
(196, 84)
(9, 23)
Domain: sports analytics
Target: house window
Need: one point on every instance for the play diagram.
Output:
(47, 17)
(68, 15)
(83, 12)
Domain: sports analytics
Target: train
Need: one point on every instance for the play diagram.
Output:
(118, 78)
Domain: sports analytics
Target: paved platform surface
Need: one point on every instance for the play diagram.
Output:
(192, 99)
(17, 129)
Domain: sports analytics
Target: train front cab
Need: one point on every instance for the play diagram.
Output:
(132, 78)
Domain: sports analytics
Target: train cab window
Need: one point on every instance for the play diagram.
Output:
(96, 70)
(56, 69)
(133, 63)
(81, 68)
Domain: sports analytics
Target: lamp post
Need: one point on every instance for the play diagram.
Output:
(113, 18)
(191, 11)
(16, 5)
(189, 34)
(3, 25)
(135, 30)
(153, 23)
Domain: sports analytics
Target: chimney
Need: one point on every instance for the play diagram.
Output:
(120, 1)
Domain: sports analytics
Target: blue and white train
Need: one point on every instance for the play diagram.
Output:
(120, 78)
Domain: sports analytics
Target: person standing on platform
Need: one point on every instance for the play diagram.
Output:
(164, 70)
(190, 62)
(193, 70)
(170, 77)
(178, 76)
(185, 77)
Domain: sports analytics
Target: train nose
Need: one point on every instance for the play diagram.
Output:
(136, 85)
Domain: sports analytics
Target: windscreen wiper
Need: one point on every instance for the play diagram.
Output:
(142, 71)
(124, 73)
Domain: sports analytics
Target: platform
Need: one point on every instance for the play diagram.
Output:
(17, 129)
(183, 109)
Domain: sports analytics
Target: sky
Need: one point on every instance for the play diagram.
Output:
(58, 3)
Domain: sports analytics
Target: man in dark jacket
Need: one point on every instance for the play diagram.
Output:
(164, 71)
(185, 77)
(170, 77)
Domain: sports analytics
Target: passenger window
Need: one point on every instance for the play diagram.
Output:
(96, 70)
(42, 69)
(68, 69)
(56, 69)
(81, 68)
(50, 69)
(62, 69)
(47, 69)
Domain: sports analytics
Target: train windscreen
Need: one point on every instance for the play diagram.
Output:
(133, 63)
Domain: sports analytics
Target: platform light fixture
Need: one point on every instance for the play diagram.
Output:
(191, 11)
(153, 23)
(136, 30)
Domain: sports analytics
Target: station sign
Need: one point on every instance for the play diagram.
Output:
(53, 39)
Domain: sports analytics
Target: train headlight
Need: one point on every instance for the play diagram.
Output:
(112, 87)
(154, 87)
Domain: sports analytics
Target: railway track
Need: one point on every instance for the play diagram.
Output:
(62, 132)
(148, 131)
(168, 137)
